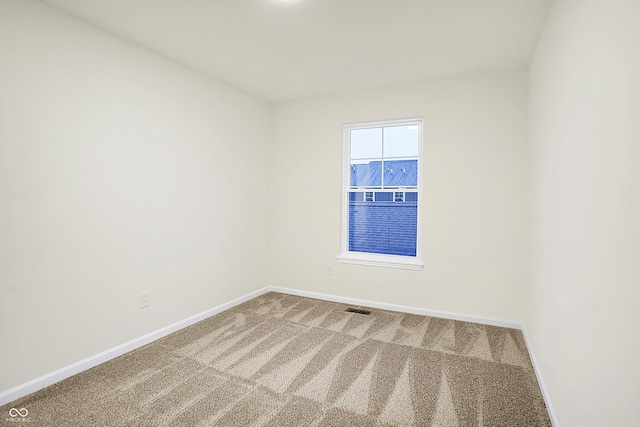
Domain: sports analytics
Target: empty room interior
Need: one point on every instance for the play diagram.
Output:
(166, 163)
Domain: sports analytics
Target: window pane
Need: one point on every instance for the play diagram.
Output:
(401, 141)
(366, 143)
(401, 173)
(384, 227)
(365, 174)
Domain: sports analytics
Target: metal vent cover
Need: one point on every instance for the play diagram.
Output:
(358, 311)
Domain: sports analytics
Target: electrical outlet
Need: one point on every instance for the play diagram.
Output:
(144, 299)
(329, 270)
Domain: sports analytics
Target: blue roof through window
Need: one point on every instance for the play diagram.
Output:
(397, 173)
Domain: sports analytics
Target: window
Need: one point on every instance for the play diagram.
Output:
(381, 194)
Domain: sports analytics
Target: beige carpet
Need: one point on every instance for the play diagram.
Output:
(283, 360)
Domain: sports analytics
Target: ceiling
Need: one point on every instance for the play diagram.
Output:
(286, 49)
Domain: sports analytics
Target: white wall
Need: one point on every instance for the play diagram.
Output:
(120, 171)
(585, 247)
(475, 136)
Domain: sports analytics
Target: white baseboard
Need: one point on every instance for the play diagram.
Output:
(543, 388)
(402, 308)
(75, 368)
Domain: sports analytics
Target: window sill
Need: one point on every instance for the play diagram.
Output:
(374, 260)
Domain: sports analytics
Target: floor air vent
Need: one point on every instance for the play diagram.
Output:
(358, 311)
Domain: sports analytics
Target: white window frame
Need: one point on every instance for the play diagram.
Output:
(371, 259)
